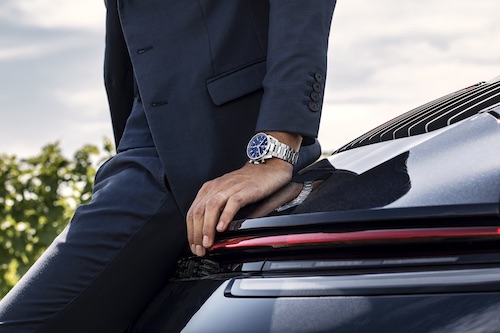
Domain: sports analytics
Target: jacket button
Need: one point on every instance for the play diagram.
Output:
(313, 106)
(315, 96)
(318, 87)
(319, 77)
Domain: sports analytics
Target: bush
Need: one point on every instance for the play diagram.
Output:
(38, 199)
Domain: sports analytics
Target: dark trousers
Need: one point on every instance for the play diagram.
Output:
(112, 258)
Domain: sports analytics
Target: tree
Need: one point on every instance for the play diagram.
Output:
(38, 199)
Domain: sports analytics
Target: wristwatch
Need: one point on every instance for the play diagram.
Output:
(263, 146)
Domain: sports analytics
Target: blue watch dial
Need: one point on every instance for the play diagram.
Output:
(257, 147)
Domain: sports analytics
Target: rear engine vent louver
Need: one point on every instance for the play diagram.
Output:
(437, 114)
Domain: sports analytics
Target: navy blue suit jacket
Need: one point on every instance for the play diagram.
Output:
(213, 72)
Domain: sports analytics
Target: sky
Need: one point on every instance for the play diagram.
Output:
(385, 57)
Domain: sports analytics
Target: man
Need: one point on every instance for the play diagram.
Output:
(189, 84)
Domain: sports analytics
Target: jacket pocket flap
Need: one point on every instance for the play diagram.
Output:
(236, 83)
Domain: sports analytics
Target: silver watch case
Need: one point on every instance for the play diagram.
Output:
(274, 148)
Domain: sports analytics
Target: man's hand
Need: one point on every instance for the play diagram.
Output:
(218, 200)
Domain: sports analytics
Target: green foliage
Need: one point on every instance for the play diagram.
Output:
(37, 199)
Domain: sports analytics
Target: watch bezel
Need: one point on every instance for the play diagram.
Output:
(261, 154)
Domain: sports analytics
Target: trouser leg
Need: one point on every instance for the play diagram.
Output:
(110, 261)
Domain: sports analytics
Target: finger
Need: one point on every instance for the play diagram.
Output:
(195, 214)
(233, 205)
(200, 250)
(189, 227)
(194, 237)
(196, 233)
(213, 209)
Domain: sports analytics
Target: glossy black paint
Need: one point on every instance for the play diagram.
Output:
(456, 165)
(445, 312)
(440, 313)
(446, 177)
(419, 215)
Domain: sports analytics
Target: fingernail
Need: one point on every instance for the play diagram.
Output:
(206, 242)
(199, 250)
(220, 226)
(193, 248)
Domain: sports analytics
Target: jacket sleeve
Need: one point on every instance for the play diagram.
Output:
(118, 73)
(296, 66)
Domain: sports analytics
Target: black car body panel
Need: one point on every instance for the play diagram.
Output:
(398, 231)
(471, 312)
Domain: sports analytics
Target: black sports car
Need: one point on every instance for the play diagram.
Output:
(397, 231)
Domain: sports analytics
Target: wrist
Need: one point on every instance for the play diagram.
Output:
(277, 167)
(265, 146)
(290, 139)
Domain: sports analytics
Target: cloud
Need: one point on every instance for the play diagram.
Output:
(385, 57)
(389, 56)
(88, 15)
(48, 87)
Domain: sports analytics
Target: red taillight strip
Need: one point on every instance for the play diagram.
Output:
(365, 236)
